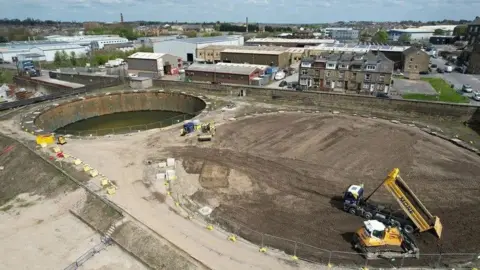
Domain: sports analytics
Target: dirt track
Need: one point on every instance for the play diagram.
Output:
(279, 173)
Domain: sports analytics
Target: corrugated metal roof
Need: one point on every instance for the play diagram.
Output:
(358, 48)
(146, 55)
(222, 69)
(242, 65)
(289, 40)
(203, 40)
(253, 51)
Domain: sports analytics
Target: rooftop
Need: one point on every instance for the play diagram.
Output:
(43, 44)
(228, 69)
(270, 52)
(289, 40)
(359, 48)
(255, 48)
(146, 55)
(445, 27)
(242, 65)
(203, 40)
(412, 30)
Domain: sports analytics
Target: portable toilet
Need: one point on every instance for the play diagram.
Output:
(189, 127)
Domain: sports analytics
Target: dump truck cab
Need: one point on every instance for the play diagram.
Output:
(376, 240)
(354, 203)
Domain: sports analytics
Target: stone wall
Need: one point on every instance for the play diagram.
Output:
(83, 78)
(365, 104)
(92, 106)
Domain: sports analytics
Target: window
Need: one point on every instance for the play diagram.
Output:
(331, 65)
(341, 75)
(354, 75)
(370, 67)
(327, 74)
(411, 59)
(409, 66)
(343, 66)
(381, 78)
(416, 66)
(367, 77)
(304, 71)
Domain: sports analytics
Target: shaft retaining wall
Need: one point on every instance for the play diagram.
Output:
(91, 106)
(441, 110)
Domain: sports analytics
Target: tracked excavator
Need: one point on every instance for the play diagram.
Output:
(417, 218)
(375, 240)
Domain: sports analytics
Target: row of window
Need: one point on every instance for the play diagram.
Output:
(191, 73)
(381, 77)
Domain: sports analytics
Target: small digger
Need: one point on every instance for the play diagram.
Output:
(208, 131)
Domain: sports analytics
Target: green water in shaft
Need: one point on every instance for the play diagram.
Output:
(124, 122)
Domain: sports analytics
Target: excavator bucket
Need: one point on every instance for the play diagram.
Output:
(437, 227)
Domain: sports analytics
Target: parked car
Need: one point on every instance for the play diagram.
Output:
(467, 88)
(382, 95)
(424, 72)
(283, 84)
(439, 70)
(476, 96)
(434, 66)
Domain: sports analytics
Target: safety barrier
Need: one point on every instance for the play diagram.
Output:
(88, 255)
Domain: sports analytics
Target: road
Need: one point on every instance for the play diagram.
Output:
(457, 79)
(291, 78)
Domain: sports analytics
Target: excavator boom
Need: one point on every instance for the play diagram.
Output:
(411, 205)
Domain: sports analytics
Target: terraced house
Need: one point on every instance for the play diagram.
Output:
(362, 73)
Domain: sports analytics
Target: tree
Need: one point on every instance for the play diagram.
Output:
(460, 30)
(364, 36)
(73, 58)
(404, 38)
(190, 34)
(57, 58)
(439, 32)
(64, 58)
(381, 36)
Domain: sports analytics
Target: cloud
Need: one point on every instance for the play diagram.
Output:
(306, 11)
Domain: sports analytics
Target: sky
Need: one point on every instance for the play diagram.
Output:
(265, 11)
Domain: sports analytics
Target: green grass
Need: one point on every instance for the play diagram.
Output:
(445, 92)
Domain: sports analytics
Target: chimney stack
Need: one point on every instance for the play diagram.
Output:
(121, 18)
(246, 25)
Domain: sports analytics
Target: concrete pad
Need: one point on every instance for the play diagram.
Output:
(404, 86)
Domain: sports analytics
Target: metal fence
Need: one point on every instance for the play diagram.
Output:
(88, 255)
(314, 254)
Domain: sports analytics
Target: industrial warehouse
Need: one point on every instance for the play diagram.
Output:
(187, 48)
(153, 65)
(39, 51)
(44, 50)
(245, 74)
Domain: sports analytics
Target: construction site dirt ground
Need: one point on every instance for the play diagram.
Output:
(40, 233)
(282, 174)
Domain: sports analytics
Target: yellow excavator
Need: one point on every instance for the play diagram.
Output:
(376, 241)
(418, 217)
(208, 131)
(385, 235)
